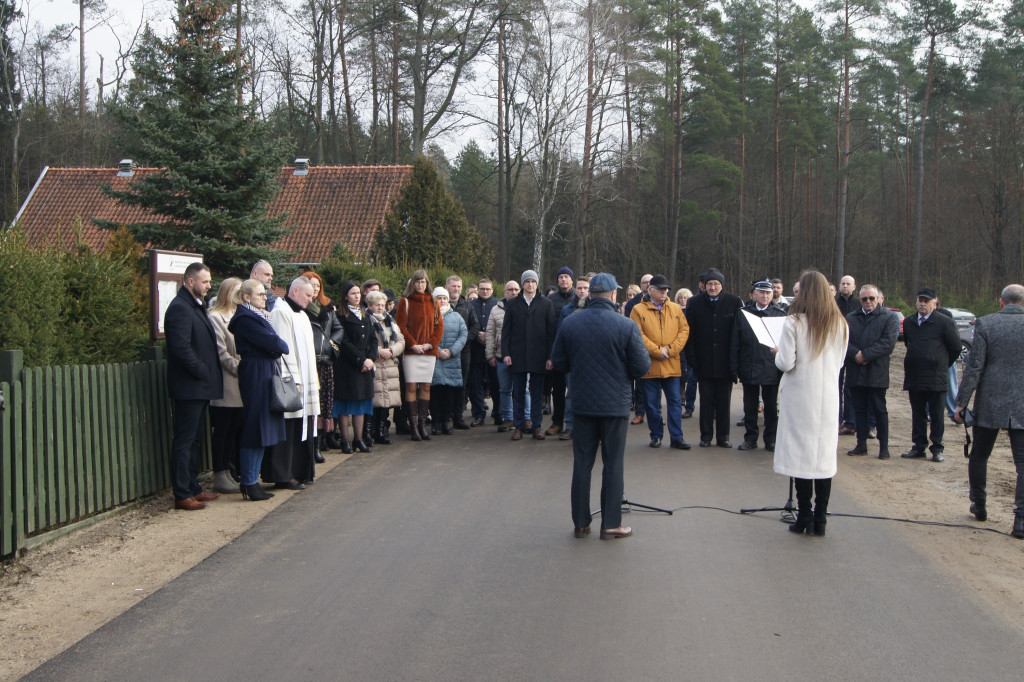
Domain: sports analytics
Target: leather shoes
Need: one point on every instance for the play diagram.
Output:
(554, 430)
(741, 422)
(582, 532)
(913, 454)
(872, 433)
(290, 485)
(859, 450)
(655, 442)
(979, 511)
(538, 434)
(461, 425)
(613, 533)
(479, 421)
(705, 444)
(517, 435)
(189, 504)
(847, 431)
(639, 419)
(770, 447)
(687, 414)
(207, 497)
(937, 457)
(1018, 527)
(505, 426)
(746, 445)
(883, 453)
(565, 435)
(680, 444)
(724, 444)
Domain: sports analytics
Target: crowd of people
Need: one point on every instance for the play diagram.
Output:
(419, 360)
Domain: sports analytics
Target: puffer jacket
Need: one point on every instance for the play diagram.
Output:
(604, 352)
(387, 389)
(874, 334)
(493, 331)
(658, 328)
(449, 372)
(749, 359)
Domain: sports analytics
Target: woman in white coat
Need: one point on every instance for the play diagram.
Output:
(810, 354)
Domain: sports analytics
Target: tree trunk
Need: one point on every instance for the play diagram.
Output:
(915, 264)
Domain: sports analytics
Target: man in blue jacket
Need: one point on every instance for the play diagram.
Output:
(605, 353)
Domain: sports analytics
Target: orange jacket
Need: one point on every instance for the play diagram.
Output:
(420, 321)
(665, 327)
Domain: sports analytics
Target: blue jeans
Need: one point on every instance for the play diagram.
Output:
(252, 460)
(505, 392)
(523, 402)
(652, 396)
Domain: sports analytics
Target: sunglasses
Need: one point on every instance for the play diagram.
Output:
(865, 299)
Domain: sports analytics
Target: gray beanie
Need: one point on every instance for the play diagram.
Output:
(528, 274)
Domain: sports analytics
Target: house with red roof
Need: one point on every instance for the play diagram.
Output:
(323, 205)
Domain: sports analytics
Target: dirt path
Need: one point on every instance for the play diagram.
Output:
(59, 593)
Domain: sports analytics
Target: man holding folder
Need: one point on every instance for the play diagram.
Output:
(752, 363)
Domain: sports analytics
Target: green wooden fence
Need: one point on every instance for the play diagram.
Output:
(79, 440)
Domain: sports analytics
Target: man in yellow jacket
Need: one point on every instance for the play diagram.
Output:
(664, 331)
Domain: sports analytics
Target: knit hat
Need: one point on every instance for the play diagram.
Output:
(529, 274)
(715, 274)
(564, 270)
(440, 291)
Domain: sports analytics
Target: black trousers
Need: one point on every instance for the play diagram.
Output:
(444, 403)
(588, 433)
(922, 405)
(463, 392)
(479, 382)
(188, 429)
(752, 395)
(555, 383)
(865, 398)
(226, 424)
(715, 396)
(977, 467)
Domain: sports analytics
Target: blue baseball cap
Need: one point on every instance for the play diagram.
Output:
(602, 283)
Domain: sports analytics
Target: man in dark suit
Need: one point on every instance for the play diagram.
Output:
(193, 380)
(460, 305)
(754, 364)
(527, 335)
(995, 371)
(710, 315)
(873, 332)
(933, 344)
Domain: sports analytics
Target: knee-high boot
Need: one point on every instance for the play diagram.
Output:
(368, 430)
(805, 518)
(424, 409)
(822, 491)
(402, 415)
(379, 427)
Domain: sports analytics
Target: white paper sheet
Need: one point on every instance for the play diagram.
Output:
(767, 329)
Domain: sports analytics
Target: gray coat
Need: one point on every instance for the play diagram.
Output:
(995, 370)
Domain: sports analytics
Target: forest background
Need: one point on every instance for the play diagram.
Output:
(878, 139)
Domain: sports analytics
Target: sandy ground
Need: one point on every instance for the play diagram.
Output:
(57, 594)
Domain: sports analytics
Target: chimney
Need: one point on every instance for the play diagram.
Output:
(301, 167)
(125, 168)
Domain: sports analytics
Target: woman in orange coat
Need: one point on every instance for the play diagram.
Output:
(420, 322)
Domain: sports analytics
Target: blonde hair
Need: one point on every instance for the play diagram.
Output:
(248, 288)
(376, 297)
(815, 303)
(680, 292)
(225, 296)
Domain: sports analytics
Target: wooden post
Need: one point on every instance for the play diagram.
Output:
(11, 364)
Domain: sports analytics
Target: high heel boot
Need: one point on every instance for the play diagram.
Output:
(423, 407)
(804, 518)
(254, 492)
(367, 437)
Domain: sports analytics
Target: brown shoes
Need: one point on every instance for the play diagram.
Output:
(582, 532)
(207, 497)
(553, 430)
(846, 431)
(613, 533)
(538, 434)
(517, 435)
(639, 419)
(189, 504)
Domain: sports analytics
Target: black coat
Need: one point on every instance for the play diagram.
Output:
(931, 349)
(193, 366)
(528, 333)
(874, 334)
(605, 352)
(472, 320)
(482, 308)
(848, 305)
(259, 347)
(326, 328)
(749, 359)
(709, 347)
(561, 299)
(358, 342)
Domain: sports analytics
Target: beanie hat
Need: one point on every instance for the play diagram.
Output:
(440, 291)
(564, 270)
(715, 274)
(529, 274)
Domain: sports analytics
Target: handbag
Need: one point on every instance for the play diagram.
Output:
(284, 394)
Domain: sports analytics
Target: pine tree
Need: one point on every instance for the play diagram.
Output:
(219, 164)
(427, 228)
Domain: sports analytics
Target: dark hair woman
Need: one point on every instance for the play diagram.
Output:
(353, 370)
(420, 321)
(327, 331)
(260, 348)
(810, 353)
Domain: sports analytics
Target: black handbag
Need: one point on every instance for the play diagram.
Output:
(284, 394)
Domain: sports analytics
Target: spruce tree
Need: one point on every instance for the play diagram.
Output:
(219, 164)
(427, 228)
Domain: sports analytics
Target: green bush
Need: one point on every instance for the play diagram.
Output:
(35, 299)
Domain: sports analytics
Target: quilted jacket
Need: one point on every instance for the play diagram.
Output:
(604, 352)
(449, 372)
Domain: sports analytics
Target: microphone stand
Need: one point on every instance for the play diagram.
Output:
(788, 509)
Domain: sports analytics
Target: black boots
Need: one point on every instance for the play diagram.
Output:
(379, 427)
(254, 492)
(1018, 527)
(806, 521)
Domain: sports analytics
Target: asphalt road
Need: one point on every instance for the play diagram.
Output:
(455, 560)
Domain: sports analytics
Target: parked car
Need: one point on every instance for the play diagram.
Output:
(901, 316)
(965, 321)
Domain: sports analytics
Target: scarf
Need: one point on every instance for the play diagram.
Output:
(357, 311)
(314, 309)
(262, 313)
(444, 309)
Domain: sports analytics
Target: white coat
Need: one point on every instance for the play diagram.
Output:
(805, 446)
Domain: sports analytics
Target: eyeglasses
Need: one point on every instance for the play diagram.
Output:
(261, 295)
(865, 299)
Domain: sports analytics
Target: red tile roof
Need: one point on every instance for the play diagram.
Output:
(329, 204)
